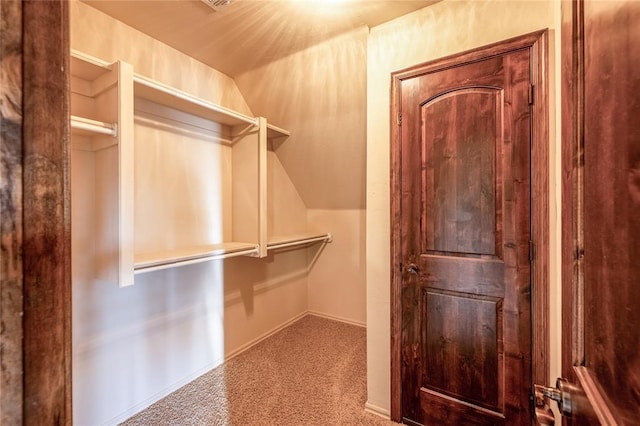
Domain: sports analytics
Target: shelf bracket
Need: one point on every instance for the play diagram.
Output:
(242, 130)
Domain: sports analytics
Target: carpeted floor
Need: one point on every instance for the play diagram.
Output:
(311, 373)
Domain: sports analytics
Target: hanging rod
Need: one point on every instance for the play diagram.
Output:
(299, 241)
(94, 126)
(189, 257)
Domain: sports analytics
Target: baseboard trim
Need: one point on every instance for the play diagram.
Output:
(263, 336)
(378, 411)
(337, 318)
(163, 393)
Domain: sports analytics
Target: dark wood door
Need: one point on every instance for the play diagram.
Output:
(601, 208)
(465, 233)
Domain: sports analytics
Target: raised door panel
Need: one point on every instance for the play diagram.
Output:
(462, 344)
(459, 168)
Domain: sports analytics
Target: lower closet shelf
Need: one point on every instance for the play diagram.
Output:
(146, 262)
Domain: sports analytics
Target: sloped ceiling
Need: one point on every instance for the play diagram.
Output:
(247, 34)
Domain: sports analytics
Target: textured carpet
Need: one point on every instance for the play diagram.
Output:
(310, 373)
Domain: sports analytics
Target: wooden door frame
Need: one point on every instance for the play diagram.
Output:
(46, 246)
(537, 42)
(572, 60)
(36, 355)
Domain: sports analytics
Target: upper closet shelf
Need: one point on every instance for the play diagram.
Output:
(146, 262)
(87, 67)
(159, 93)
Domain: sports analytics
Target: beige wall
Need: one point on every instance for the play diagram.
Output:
(99, 35)
(445, 28)
(319, 94)
(337, 285)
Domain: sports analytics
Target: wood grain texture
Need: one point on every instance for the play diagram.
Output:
(46, 246)
(459, 170)
(471, 344)
(612, 201)
(540, 224)
(567, 176)
(11, 331)
(572, 119)
(403, 197)
(601, 196)
(452, 135)
(396, 410)
(444, 410)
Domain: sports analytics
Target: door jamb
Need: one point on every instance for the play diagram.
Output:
(537, 42)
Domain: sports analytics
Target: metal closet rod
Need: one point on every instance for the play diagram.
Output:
(94, 126)
(327, 238)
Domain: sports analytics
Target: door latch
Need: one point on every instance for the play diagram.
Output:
(559, 394)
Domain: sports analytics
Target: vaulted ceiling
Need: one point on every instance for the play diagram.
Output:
(246, 34)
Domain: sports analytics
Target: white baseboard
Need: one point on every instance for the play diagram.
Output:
(163, 393)
(234, 353)
(378, 411)
(284, 325)
(337, 318)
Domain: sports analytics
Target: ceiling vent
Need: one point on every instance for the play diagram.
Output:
(217, 4)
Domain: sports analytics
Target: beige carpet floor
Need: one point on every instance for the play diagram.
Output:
(310, 373)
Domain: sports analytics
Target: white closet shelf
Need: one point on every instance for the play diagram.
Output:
(146, 262)
(83, 125)
(164, 95)
(280, 242)
(87, 67)
(274, 132)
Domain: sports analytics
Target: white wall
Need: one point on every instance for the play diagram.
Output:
(445, 28)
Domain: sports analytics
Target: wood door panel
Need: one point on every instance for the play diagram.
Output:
(612, 202)
(464, 333)
(466, 226)
(459, 171)
(441, 409)
(473, 276)
(484, 73)
(601, 203)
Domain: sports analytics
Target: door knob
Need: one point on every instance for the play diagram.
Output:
(412, 268)
(570, 398)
